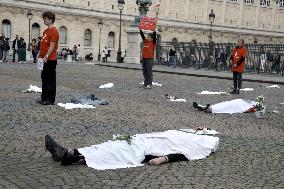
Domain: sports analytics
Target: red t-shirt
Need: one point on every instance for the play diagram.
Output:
(148, 49)
(237, 54)
(49, 35)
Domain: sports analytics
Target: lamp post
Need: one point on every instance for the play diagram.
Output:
(211, 19)
(100, 25)
(121, 4)
(30, 17)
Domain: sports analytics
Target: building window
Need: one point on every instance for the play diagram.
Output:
(6, 28)
(62, 35)
(280, 3)
(235, 1)
(88, 3)
(63, 1)
(110, 40)
(248, 2)
(88, 37)
(265, 3)
(35, 30)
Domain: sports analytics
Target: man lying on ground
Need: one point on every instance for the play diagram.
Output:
(232, 106)
(152, 148)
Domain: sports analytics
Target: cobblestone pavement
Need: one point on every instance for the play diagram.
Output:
(250, 153)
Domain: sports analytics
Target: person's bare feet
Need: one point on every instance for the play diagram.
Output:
(158, 161)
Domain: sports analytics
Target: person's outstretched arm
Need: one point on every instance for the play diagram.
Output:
(142, 35)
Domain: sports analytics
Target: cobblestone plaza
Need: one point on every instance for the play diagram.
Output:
(250, 154)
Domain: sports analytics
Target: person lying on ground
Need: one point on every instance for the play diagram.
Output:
(232, 106)
(149, 148)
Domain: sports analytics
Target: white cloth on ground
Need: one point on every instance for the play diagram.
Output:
(120, 154)
(106, 86)
(177, 100)
(153, 83)
(247, 89)
(233, 106)
(69, 106)
(33, 89)
(212, 93)
(273, 86)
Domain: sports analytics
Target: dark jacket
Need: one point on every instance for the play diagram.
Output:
(6, 45)
(22, 44)
(14, 43)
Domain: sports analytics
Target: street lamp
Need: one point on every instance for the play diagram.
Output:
(211, 19)
(121, 4)
(100, 25)
(30, 17)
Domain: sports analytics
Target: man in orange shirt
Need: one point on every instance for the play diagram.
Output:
(148, 49)
(238, 65)
(48, 49)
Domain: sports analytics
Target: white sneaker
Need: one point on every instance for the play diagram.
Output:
(148, 87)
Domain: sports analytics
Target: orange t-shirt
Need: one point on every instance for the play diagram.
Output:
(148, 49)
(237, 54)
(49, 35)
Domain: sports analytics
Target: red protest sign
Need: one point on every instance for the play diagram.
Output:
(148, 23)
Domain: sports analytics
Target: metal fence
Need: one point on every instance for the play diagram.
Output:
(261, 58)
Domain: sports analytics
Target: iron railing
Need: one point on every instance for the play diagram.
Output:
(261, 58)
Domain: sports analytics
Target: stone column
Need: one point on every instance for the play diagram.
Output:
(224, 11)
(206, 12)
(257, 13)
(133, 36)
(274, 4)
(241, 13)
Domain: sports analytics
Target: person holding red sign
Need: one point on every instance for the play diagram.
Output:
(148, 49)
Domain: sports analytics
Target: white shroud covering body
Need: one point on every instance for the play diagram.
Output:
(120, 154)
(233, 106)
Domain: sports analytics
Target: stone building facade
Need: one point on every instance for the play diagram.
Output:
(179, 20)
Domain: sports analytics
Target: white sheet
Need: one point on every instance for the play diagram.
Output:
(212, 93)
(106, 86)
(33, 89)
(120, 154)
(247, 89)
(177, 100)
(273, 86)
(153, 83)
(69, 106)
(233, 106)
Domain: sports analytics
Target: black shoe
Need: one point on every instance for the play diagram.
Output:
(46, 103)
(39, 101)
(233, 91)
(237, 91)
(65, 158)
(195, 105)
(54, 148)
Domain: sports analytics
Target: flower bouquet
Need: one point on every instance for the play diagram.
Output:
(259, 107)
(127, 138)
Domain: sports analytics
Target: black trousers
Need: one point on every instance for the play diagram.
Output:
(14, 55)
(48, 78)
(147, 65)
(237, 77)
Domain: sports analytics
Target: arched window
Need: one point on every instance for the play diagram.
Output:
(110, 40)
(35, 30)
(88, 37)
(62, 35)
(6, 28)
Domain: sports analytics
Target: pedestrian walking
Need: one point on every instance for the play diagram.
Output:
(105, 54)
(48, 49)
(38, 45)
(238, 65)
(15, 47)
(33, 48)
(172, 59)
(1, 47)
(22, 51)
(6, 48)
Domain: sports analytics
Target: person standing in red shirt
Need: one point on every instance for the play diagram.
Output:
(148, 49)
(48, 49)
(238, 65)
